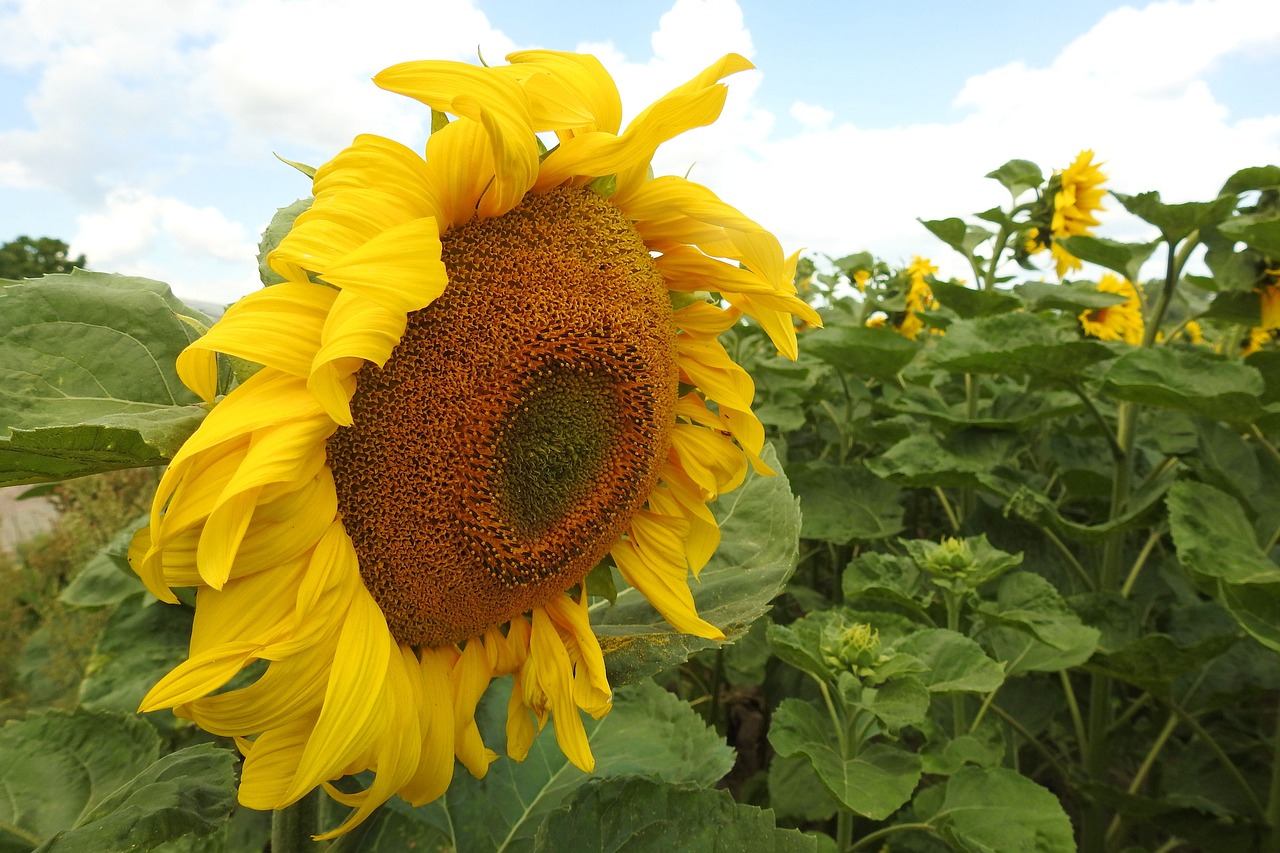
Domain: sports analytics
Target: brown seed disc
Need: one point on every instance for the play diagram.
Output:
(519, 424)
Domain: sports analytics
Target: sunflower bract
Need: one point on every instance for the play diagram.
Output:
(474, 388)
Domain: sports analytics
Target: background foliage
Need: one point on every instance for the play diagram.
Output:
(1035, 602)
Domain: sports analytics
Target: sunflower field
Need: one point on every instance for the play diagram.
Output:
(540, 503)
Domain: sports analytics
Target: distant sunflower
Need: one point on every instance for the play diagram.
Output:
(485, 371)
(1075, 194)
(919, 297)
(1122, 322)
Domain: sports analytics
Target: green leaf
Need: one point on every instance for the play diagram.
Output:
(188, 792)
(1033, 628)
(800, 643)
(993, 810)
(759, 547)
(897, 703)
(969, 459)
(875, 783)
(86, 780)
(1155, 661)
(956, 663)
(142, 641)
(1176, 221)
(1252, 178)
(969, 302)
(1123, 258)
(963, 238)
(1018, 176)
(645, 816)
(1260, 233)
(796, 792)
(281, 224)
(1256, 607)
(886, 578)
(86, 361)
(1214, 538)
(649, 732)
(843, 503)
(862, 351)
(106, 579)
(1187, 380)
(1072, 296)
(1016, 344)
(1008, 409)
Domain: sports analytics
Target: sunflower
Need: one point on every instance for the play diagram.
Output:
(1076, 194)
(919, 297)
(486, 370)
(1122, 322)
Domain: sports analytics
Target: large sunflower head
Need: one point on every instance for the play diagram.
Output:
(1122, 322)
(487, 369)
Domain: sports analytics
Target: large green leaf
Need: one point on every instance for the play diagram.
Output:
(644, 816)
(1073, 296)
(1187, 380)
(86, 361)
(1260, 233)
(1214, 538)
(142, 642)
(759, 547)
(649, 732)
(1154, 662)
(1032, 629)
(841, 503)
(1018, 343)
(56, 766)
(862, 351)
(1176, 221)
(106, 579)
(188, 792)
(956, 663)
(93, 780)
(996, 810)
(970, 302)
(875, 783)
(968, 459)
(1123, 258)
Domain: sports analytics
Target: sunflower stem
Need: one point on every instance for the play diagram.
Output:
(293, 826)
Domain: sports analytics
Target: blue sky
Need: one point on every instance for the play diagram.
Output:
(142, 131)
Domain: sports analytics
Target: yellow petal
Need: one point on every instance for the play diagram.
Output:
(567, 91)
(351, 697)
(666, 588)
(553, 671)
(470, 678)
(492, 99)
(251, 330)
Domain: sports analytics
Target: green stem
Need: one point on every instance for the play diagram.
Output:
(946, 506)
(1174, 265)
(1116, 451)
(293, 826)
(1228, 765)
(1082, 739)
(1147, 763)
(1156, 535)
(1273, 798)
(1032, 741)
(872, 837)
(958, 724)
(1075, 564)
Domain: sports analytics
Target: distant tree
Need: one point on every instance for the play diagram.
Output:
(28, 258)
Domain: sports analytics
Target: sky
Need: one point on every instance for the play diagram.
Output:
(145, 132)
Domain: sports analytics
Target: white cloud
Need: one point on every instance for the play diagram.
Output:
(1130, 88)
(135, 229)
(146, 94)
